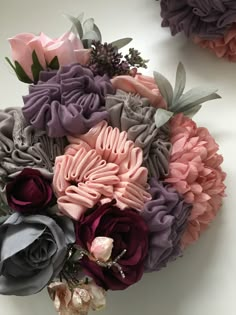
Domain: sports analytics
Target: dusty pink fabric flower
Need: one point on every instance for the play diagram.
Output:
(223, 47)
(77, 301)
(195, 173)
(100, 165)
(142, 85)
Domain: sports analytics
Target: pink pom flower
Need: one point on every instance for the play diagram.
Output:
(100, 165)
(195, 173)
(223, 47)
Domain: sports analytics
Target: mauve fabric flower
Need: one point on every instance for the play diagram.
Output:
(29, 191)
(68, 101)
(133, 114)
(195, 172)
(129, 232)
(100, 165)
(223, 47)
(205, 18)
(166, 217)
(33, 250)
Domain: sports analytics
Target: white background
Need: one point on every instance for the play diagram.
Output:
(203, 282)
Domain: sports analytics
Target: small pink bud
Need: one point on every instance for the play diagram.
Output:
(101, 248)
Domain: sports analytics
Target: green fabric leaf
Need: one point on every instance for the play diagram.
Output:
(165, 87)
(54, 64)
(36, 66)
(88, 25)
(10, 63)
(77, 26)
(20, 72)
(191, 112)
(97, 31)
(120, 43)
(162, 116)
(92, 35)
(180, 82)
(194, 97)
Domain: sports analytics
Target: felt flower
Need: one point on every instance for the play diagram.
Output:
(129, 232)
(100, 165)
(195, 172)
(33, 249)
(223, 47)
(29, 191)
(166, 217)
(207, 19)
(68, 101)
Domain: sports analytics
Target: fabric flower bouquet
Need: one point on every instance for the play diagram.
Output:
(103, 173)
(210, 24)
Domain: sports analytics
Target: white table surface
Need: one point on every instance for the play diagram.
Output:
(203, 282)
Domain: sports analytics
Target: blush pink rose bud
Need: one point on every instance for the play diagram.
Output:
(101, 248)
(68, 48)
(22, 47)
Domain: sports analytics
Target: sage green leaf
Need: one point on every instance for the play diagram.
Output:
(180, 82)
(165, 87)
(97, 31)
(194, 97)
(92, 35)
(77, 27)
(191, 112)
(120, 43)
(162, 116)
(54, 64)
(36, 67)
(21, 75)
(88, 25)
(87, 43)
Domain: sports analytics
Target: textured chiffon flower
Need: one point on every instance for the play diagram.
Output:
(68, 101)
(207, 19)
(223, 47)
(195, 172)
(100, 165)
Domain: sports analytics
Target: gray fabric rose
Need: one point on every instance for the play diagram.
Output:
(32, 250)
(133, 114)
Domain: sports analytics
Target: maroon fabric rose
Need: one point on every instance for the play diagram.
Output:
(29, 191)
(128, 230)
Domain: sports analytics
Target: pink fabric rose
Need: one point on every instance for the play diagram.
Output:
(68, 48)
(143, 85)
(195, 173)
(224, 47)
(100, 165)
(22, 47)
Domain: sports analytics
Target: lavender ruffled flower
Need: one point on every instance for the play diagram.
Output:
(206, 18)
(166, 216)
(68, 101)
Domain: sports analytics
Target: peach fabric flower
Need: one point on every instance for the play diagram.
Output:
(99, 166)
(224, 47)
(77, 301)
(195, 173)
(143, 85)
(22, 47)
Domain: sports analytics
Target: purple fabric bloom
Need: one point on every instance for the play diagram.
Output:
(166, 216)
(68, 101)
(206, 18)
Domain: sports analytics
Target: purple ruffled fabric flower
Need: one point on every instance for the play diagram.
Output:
(68, 101)
(166, 216)
(206, 18)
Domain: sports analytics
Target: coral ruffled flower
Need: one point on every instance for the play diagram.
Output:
(100, 165)
(224, 47)
(143, 85)
(195, 172)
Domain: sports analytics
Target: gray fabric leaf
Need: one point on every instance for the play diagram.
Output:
(180, 83)
(120, 43)
(76, 25)
(165, 87)
(162, 116)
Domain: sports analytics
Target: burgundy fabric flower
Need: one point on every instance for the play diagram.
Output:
(128, 230)
(29, 191)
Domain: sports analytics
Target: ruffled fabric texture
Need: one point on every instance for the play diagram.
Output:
(166, 216)
(195, 172)
(208, 19)
(68, 101)
(100, 165)
(223, 47)
(133, 114)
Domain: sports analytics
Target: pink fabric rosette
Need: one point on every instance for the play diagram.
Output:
(100, 165)
(195, 172)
